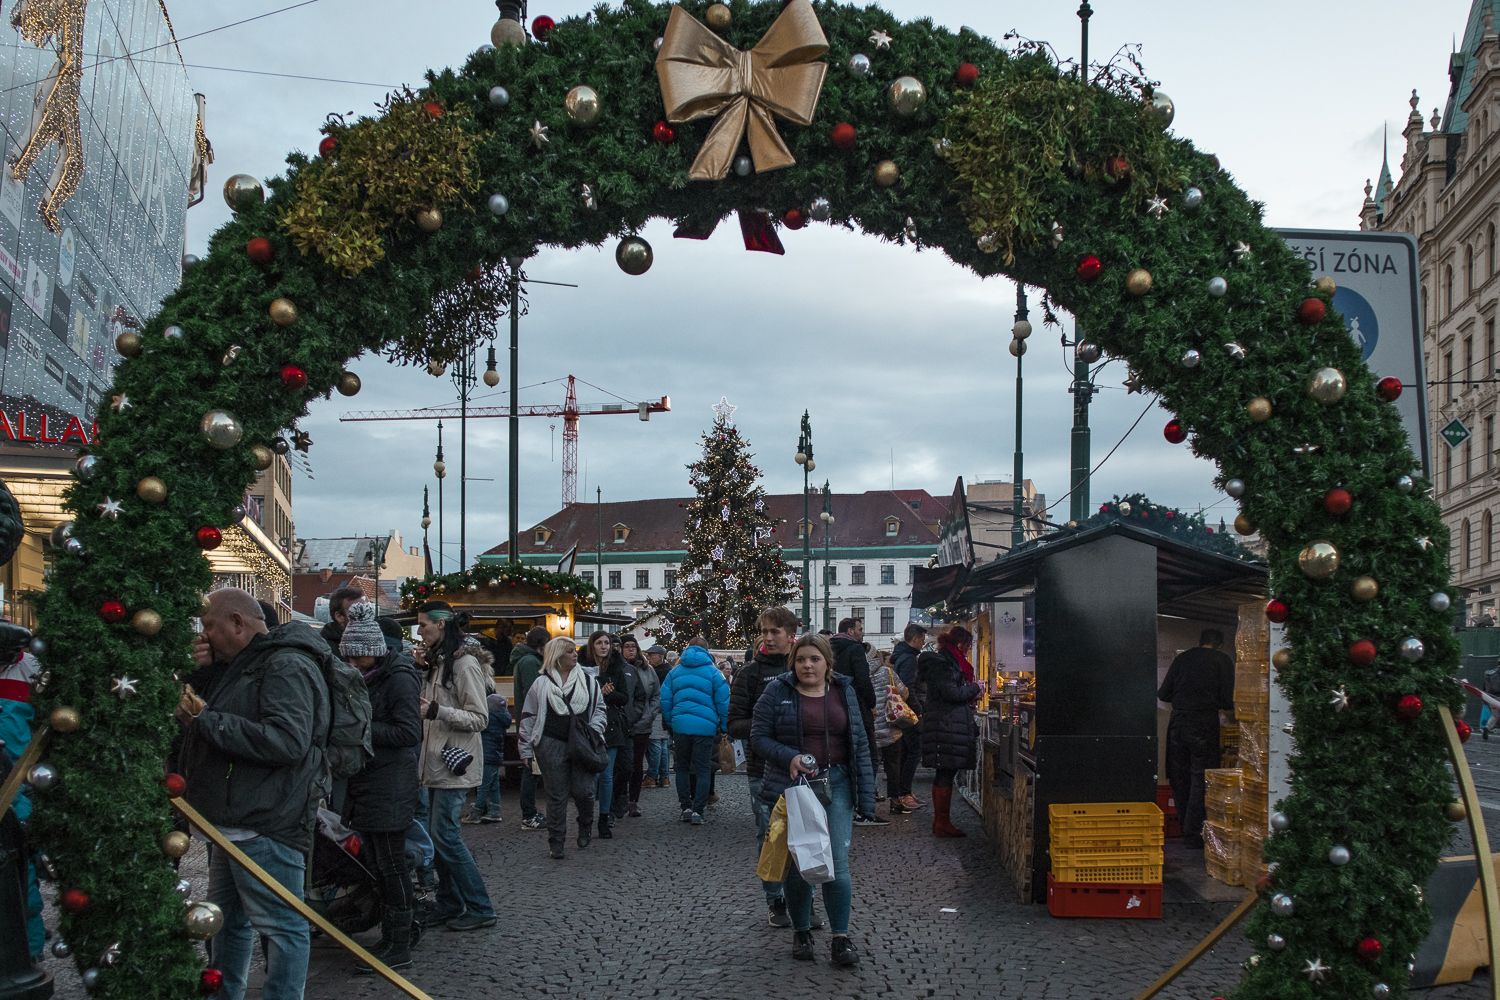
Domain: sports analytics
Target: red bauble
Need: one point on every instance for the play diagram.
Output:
(1104, 508)
(1362, 652)
(1263, 884)
(793, 218)
(1170, 515)
(210, 981)
(328, 145)
(175, 784)
(843, 136)
(664, 133)
(1369, 949)
(1089, 269)
(1174, 432)
(1409, 706)
(541, 27)
(112, 612)
(74, 900)
(1117, 167)
(1389, 388)
(966, 75)
(260, 251)
(1463, 729)
(1277, 610)
(1337, 501)
(208, 537)
(293, 377)
(433, 108)
(1311, 312)
(1145, 515)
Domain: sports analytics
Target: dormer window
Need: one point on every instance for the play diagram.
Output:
(543, 534)
(892, 527)
(622, 532)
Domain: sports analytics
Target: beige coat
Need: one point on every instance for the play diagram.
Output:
(462, 715)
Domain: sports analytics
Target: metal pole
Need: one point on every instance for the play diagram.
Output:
(463, 459)
(440, 498)
(599, 538)
(827, 530)
(1084, 13)
(515, 420)
(1082, 388)
(806, 449)
(1017, 531)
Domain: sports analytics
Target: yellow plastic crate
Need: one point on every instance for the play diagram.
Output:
(1091, 826)
(1229, 874)
(1141, 867)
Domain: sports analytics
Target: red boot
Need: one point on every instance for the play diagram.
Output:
(942, 826)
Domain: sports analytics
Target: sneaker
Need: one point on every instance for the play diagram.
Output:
(490, 819)
(471, 819)
(911, 802)
(899, 808)
(471, 922)
(696, 819)
(776, 913)
(687, 816)
(537, 822)
(434, 917)
(802, 946)
(871, 820)
(635, 810)
(556, 851)
(844, 953)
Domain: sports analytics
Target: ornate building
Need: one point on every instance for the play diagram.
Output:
(1449, 198)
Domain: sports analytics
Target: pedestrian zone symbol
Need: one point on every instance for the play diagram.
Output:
(1455, 433)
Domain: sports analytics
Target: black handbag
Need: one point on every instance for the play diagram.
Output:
(586, 749)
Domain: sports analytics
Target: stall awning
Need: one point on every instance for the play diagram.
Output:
(938, 585)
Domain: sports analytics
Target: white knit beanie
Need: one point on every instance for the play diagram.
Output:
(362, 636)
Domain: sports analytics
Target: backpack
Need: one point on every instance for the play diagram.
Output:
(349, 747)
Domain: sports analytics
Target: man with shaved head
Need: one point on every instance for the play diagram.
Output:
(253, 757)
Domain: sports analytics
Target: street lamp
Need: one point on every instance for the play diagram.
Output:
(804, 458)
(1019, 333)
(440, 469)
(827, 517)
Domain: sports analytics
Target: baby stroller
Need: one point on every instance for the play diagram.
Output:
(343, 890)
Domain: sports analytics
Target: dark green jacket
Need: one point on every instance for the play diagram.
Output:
(525, 665)
(253, 758)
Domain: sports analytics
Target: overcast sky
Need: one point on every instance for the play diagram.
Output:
(894, 353)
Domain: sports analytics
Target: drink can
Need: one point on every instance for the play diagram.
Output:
(808, 761)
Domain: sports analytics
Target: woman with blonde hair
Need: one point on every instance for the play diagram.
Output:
(561, 692)
(814, 711)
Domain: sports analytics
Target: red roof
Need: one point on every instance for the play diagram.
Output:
(860, 521)
(308, 587)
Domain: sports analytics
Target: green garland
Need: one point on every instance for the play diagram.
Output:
(1183, 526)
(1367, 778)
(440, 586)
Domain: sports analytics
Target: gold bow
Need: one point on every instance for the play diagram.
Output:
(703, 76)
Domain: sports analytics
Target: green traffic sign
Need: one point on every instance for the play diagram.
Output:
(1455, 433)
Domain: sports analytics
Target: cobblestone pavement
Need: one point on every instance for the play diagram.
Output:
(668, 910)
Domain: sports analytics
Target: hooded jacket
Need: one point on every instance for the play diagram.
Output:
(648, 694)
(749, 684)
(776, 735)
(253, 758)
(463, 712)
(904, 660)
(949, 730)
(383, 795)
(851, 660)
(525, 665)
(695, 697)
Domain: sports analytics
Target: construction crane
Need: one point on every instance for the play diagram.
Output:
(570, 411)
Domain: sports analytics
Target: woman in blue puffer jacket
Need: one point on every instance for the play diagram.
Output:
(695, 705)
(813, 710)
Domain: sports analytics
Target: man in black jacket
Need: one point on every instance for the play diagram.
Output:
(1199, 683)
(851, 660)
(904, 662)
(253, 757)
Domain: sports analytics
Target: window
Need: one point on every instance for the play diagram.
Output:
(543, 535)
(1468, 270)
(1467, 471)
(888, 574)
(1463, 545)
(669, 578)
(622, 532)
(642, 579)
(803, 527)
(1448, 376)
(1489, 539)
(614, 579)
(258, 504)
(1489, 443)
(829, 619)
(1489, 349)
(857, 575)
(911, 573)
(892, 526)
(1447, 288)
(588, 576)
(830, 575)
(858, 614)
(887, 621)
(1468, 375)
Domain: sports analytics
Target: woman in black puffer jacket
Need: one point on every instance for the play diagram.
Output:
(947, 693)
(608, 667)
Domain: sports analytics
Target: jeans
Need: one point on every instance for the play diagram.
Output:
(762, 814)
(528, 793)
(460, 887)
(387, 863)
(604, 785)
(250, 909)
(637, 772)
(487, 799)
(562, 781)
(890, 756)
(1192, 748)
(418, 840)
(838, 895)
(695, 757)
(659, 758)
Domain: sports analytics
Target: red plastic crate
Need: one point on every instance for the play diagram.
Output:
(1170, 822)
(1108, 900)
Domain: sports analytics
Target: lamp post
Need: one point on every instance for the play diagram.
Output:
(426, 523)
(1082, 388)
(804, 458)
(440, 469)
(827, 517)
(377, 557)
(1019, 332)
(463, 380)
(515, 405)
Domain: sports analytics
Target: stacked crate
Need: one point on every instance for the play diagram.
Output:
(1235, 833)
(1106, 859)
(1221, 811)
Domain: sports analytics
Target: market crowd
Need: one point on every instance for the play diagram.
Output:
(294, 739)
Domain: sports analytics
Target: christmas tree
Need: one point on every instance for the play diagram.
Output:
(733, 567)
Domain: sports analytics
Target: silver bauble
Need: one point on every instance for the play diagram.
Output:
(237, 513)
(1405, 484)
(1162, 109)
(1380, 990)
(906, 95)
(859, 64)
(1191, 358)
(184, 888)
(1439, 601)
(743, 166)
(499, 205)
(1192, 199)
(1275, 942)
(1283, 905)
(485, 49)
(61, 534)
(90, 979)
(1235, 488)
(282, 446)
(499, 96)
(173, 332)
(1327, 385)
(656, 45)
(221, 429)
(42, 776)
(242, 191)
(61, 948)
(1412, 649)
(1338, 855)
(87, 467)
(1280, 822)
(38, 647)
(634, 255)
(73, 547)
(1086, 352)
(819, 209)
(190, 261)
(1217, 287)
(203, 920)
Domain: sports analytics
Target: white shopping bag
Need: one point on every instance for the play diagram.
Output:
(807, 834)
(739, 753)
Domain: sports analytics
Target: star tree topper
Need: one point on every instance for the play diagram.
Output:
(724, 410)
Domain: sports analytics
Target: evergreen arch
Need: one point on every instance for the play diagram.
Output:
(1010, 166)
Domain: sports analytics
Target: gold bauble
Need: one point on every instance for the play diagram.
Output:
(243, 191)
(906, 95)
(1318, 560)
(1326, 286)
(429, 220)
(1327, 385)
(1455, 811)
(146, 622)
(507, 31)
(887, 173)
(151, 489)
(1364, 588)
(1281, 659)
(582, 105)
(1138, 282)
(349, 384)
(128, 344)
(203, 920)
(717, 16)
(65, 719)
(1259, 409)
(634, 256)
(1243, 525)
(283, 312)
(262, 456)
(176, 844)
